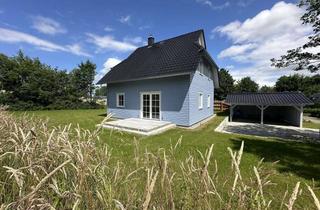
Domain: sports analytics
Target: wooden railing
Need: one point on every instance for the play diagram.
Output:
(220, 105)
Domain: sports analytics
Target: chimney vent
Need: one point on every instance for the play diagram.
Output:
(150, 41)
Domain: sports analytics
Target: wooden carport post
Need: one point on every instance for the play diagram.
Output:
(300, 109)
(231, 112)
(262, 108)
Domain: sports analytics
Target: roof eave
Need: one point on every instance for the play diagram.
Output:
(151, 77)
(267, 104)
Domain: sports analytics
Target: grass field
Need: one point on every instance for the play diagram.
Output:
(309, 124)
(297, 161)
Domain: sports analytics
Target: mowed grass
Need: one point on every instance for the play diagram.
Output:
(309, 124)
(296, 161)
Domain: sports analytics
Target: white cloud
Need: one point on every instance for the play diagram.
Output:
(77, 50)
(11, 36)
(125, 19)
(108, 29)
(263, 74)
(267, 35)
(144, 27)
(212, 5)
(109, 43)
(108, 64)
(229, 67)
(236, 50)
(137, 40)
(245, 3)
(47, 26)
(205, 2)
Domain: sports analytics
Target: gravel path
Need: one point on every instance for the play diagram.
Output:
(312, 119)
(287, 132)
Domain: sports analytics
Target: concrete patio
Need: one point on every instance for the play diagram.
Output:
(256, 129)
(139, 126)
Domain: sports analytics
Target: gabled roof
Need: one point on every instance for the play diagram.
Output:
(175, 56)
(277, 99)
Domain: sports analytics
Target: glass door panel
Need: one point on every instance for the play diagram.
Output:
(146, 106)
(151, 105)
(155, 114)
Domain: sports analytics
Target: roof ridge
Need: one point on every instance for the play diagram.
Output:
(282, 92)
(181, 35)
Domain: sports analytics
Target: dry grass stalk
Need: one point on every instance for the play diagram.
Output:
(136, 150)
(41, 183)
(149, 188)
(164, 172)
(236, 159)
(173, 148)
(259, 184)
(283, 199)
(293, 196)
(119, 205)
(206, 164)
(315, 199)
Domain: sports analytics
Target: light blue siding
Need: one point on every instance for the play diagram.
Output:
(200, 84)
(174, 98)
(179, 98)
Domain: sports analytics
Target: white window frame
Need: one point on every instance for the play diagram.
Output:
(208, 101)
(200, 100)
(141, 105)
(201, 41)
(201, 68)
(124, 100)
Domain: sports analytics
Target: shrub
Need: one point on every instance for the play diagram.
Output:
(63, 104)
(63, 168)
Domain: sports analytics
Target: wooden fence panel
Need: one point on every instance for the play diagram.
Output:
(220, 105)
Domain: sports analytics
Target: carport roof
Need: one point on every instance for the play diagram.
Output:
(277, 99)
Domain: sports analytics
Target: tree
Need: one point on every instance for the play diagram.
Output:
(266, 89)
(312, 85)
(246, 84)
(290, 83)
(307, 85)
(305, 57)
(82, 79)
(101, 91)
(26, 83)
(8, 74)
(226, 82)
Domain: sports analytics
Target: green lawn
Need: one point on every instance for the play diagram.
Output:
(309, 124)
(297, 161)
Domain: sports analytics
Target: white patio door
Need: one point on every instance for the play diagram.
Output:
(150, 105)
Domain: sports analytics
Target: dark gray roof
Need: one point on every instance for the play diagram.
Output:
(178, 55)
(281, 98)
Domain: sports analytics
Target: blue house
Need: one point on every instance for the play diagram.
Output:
(171, 80)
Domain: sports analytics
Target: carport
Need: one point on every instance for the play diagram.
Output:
(285, 108)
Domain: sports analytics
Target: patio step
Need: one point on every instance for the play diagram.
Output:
(139, 126)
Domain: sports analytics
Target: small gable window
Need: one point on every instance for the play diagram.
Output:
(209, 101)
(200, 101)
(205, 69)
(201, 41)
(120, 100)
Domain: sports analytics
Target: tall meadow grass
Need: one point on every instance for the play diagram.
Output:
(66, 167)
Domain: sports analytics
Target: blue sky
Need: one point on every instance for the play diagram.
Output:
(241, 35)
